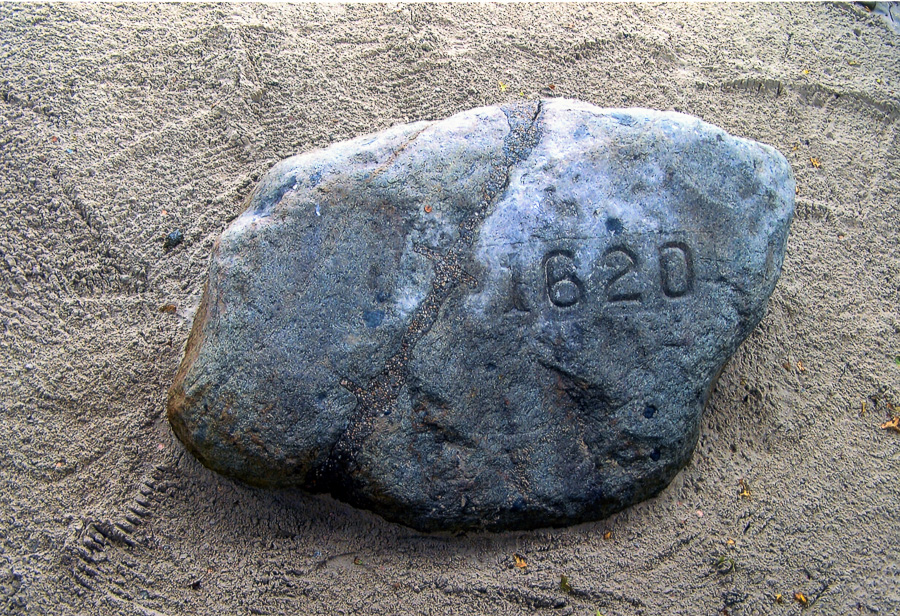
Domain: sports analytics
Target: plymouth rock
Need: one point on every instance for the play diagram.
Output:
(511, 318)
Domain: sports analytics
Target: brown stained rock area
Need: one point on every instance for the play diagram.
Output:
(176, 398)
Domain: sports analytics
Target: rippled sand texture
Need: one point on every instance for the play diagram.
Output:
(120, 125)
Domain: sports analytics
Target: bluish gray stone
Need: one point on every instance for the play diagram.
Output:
(511, 318)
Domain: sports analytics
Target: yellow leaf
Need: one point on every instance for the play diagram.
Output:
(503, 86)
(893, 424)
(800, 598)
(815, 162)
(520, 561)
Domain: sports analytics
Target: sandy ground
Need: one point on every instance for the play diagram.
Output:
(120, 124)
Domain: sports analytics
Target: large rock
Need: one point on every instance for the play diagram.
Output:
(510, 318)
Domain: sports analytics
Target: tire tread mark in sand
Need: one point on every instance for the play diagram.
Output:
(380, 395)
(90, 541)
(812, 94)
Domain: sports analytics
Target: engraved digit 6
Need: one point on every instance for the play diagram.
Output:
(563, 285)
(612, 294)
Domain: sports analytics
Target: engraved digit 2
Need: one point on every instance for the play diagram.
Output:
(629, 262)
(563, 285)
(676, 269)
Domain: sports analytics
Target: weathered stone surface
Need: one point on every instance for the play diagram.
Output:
(510, 318)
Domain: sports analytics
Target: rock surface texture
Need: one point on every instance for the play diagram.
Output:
(511, 318)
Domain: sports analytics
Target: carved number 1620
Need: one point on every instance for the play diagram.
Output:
(676, 274)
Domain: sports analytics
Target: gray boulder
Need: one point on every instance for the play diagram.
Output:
(511, 318)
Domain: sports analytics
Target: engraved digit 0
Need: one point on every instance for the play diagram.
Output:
(676, 269)
(630, 262)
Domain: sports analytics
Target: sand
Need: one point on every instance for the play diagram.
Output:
(119, 124)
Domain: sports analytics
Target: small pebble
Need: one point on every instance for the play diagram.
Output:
(174, 238)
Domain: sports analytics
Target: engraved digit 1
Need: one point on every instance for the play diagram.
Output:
(676, 269)
(630, 261)
(563, 285)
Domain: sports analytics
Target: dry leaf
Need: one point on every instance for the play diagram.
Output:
(893, 424)
(745, 489)
(815, 162)
(800, 598)
(168, 309)
(607, 535)
(428, 209)
(503, 86)
(520, 561)
(779, 598)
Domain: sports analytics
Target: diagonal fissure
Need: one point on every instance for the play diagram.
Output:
(380, 394)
